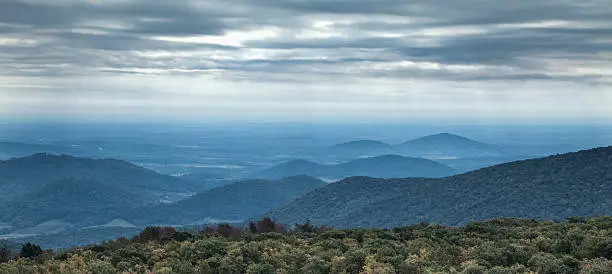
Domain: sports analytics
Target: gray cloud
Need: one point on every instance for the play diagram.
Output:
(144, 17)
(311, 41)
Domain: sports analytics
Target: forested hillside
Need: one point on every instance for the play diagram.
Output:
(577, 245)
(233, 202)
(85, 202)
(21, 175)
(554, 187)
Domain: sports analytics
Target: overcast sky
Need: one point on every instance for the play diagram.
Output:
(305, 59)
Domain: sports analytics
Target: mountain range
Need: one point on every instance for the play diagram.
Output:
(387, 166)
(553, 187)
(436, 145)
(45, 192)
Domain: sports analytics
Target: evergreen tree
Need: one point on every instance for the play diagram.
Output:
(5, 254)
(30, 250)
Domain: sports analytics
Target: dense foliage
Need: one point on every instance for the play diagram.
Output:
(74, 201)
(577, 245)
(553, 187)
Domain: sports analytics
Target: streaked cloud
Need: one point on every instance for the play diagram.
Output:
(294, 57)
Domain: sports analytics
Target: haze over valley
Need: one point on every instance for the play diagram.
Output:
(123, 177)
(305, 136)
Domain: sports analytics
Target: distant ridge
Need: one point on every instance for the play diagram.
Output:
(21, 175)
(359, 148)
(387, 166)
(444, 140)
(363, 143)
(73, 201)
(554, 187)
(446, 144)
(237, 201)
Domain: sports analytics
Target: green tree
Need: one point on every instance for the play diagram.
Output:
(29, 250)
(5, 254)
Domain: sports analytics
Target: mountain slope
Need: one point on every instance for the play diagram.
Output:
(291, 168)
(72, 201)
(386, 166)
(554, 187)
(361, 147)
(391, 166)
(21, 175)
(445, 144)
(234, 202)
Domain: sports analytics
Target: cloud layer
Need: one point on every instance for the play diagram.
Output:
(306, 58)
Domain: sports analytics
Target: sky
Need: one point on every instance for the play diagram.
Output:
(303, 60)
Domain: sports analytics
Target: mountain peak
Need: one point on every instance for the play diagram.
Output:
(299, 162)
(445, 136)
(443, 140)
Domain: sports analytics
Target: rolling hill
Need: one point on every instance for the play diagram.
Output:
(234, 202)
(81, 202)
(553, 187)
(361, 147)
(445, 144)
(387, 166)
(21, 175)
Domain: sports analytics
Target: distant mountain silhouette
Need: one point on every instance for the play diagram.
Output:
(72, 201)
(21, 175)
(445, 144)
(234, 202)
(13, 149)
(554, 187)
(291, 168)
(362, 147)
(386, 166)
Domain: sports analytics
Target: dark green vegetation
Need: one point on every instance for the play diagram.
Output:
(234, 202)
(73, 201)
(577, 245)
(554, 187)
(79, 191)
(387, 166)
